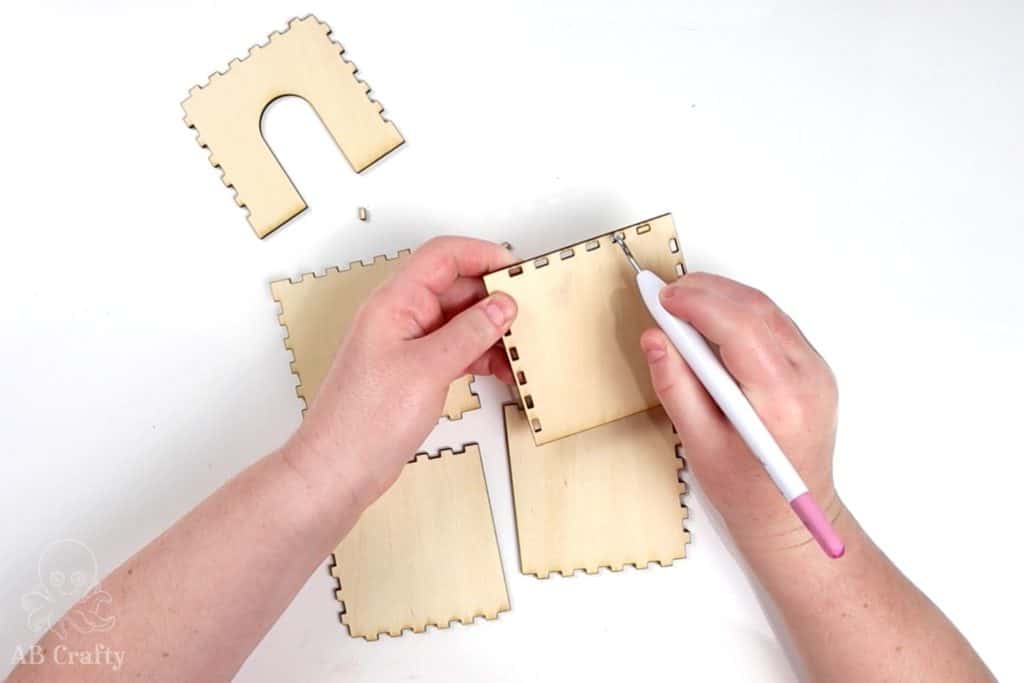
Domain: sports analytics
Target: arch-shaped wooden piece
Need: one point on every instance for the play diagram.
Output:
(301, 61)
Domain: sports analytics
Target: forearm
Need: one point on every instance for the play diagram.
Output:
(858, 618)
(193, 604)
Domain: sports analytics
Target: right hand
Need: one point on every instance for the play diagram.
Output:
(788, 383)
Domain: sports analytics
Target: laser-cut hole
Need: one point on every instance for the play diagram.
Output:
(541, 262)
(679, 269)
(673, 246)
(507, 333)
(515, 270)
(528, 400)
(592, 245)
(513, 353)
(535, 423)
(566, 253)
(521, 377)
(641, 229)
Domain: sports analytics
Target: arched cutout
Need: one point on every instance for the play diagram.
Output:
(302, 61)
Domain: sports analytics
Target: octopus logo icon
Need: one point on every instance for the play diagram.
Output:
(67, 595)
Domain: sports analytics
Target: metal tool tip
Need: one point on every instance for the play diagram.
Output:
(620, 240)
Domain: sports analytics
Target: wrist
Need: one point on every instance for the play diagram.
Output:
(796, 553)
(777, 529)
(330, 477)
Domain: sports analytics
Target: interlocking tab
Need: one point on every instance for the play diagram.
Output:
(317, 310)
(574, 346)
(425, 553)
(301, 61)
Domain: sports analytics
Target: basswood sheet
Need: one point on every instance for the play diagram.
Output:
(317, 311)
(607, 497)
(425, 553)
(574, 346)
(302, 61)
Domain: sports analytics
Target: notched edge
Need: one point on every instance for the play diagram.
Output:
(486, 615)
(542, 261)
(238, 62)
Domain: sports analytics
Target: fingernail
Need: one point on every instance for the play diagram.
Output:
(654, 353)
(500, 309)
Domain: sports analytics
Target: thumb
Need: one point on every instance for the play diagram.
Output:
(453, 347)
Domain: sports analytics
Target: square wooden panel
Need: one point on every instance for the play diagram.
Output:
(425, 553)
(607, 497)
(574, 347)
(317, 310)
(302, 61)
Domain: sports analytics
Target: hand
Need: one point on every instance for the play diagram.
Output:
(426, 326)
(788, 383)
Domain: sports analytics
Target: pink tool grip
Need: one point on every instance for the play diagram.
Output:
(816, 522)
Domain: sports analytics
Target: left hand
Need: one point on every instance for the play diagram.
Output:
(428, 325)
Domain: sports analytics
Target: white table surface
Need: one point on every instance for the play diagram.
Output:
(863, 165)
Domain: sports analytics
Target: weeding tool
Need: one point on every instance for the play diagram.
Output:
(730, 398)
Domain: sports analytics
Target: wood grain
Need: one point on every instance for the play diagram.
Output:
(606, 497)
(575, 344)
(301, 61)
(425, 553)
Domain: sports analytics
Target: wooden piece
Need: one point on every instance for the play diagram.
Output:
(575, 345)
(425, 553)
(606, 497)
(317, 310)
(302, 61)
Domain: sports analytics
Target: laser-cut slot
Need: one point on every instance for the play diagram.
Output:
(679, 269)
(528, 400)
(535, 423)
(673, 246)
(564, 311)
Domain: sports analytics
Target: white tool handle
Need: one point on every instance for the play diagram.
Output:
(723, 389)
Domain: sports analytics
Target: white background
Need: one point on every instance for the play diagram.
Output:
(861, 162)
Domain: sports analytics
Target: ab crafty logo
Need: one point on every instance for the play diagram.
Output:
(68, 599)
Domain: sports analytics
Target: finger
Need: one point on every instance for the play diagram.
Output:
(792, 340)
(749, 349)
(684, 398)
(453, 347)
(463, 293)
(493, 362)
(441, 261)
